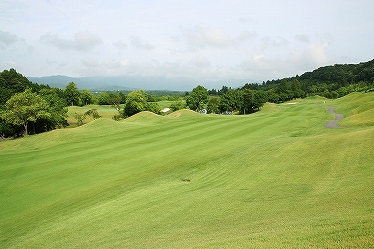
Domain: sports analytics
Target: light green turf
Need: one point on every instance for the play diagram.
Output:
(105, 111)
(358, 109)
(164, 103)
(274, 179)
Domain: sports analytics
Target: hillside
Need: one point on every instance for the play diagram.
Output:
(123, 83)
(274, 179)
(342, 78)
(329, 81)
(342, 74)
(358, 108)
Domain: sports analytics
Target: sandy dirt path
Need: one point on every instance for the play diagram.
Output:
(334, 123)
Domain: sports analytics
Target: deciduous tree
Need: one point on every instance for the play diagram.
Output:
(136, 101)
(231, 101)
(57, 109)
(253, 100)
(72, 94)
(24, 107)
(212, 105)
(153, 107)
(177, 105)
(197, 98)
(86, 97)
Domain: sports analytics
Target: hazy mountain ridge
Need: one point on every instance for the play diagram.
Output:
(336, 76)
(111, 83)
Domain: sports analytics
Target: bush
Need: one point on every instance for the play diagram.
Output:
(117, 117)
(177, 105)
(80, 118)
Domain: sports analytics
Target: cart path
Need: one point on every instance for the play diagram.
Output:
(334, 123)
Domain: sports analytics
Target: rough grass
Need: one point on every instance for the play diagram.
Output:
(358, 108)
(274, 179)
(105, 111)
(164, 103)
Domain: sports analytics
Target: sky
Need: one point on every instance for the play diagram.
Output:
(210, 40)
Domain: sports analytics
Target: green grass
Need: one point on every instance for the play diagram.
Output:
(105, 111)
(358, 108)
(164, 103)
(274, 179)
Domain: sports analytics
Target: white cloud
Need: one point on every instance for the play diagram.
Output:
(207, 39)
(263, 66)
(8, 64)
(200, 37)
(246, 36)
(243, 20)
(7, 39)
(90, 63)
(314, 55)
(84, 41)
(120, 44)
(107, 67)
(302, 38)
(255, 66)
(138, 43)
(200, 62)
(268, 42)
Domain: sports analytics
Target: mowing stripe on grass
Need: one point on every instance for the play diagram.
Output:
(276, 178)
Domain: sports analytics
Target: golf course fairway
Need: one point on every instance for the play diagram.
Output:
(277, 178)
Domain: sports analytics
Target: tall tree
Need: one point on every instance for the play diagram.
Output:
(153, 107)
(24, 107)
(57, 109)
(115, 99)
(136, 101)
(177, 105)
(86, 97)
(231, 101)
(212, 105)
(12, 82)
(223, 90)
(197, 98)
(103, 98)
(253, 100)
(72, 94)
(296, 88)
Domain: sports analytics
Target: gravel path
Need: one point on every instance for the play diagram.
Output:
(334, 123)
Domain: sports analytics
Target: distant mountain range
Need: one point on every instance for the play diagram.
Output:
(114, 83)
(91, 83)
(335, 76)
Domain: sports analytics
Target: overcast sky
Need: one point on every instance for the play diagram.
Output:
(253, 40)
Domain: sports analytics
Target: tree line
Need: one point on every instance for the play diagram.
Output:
(329, 81)
(30, 108)
(27, 107)
(231, 101)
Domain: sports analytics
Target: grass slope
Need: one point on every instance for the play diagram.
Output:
(105, 111)
(274, 179)
(358, 109)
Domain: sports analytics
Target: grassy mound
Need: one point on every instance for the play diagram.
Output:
(274, 179)
(144, 117)
(106, 111)
(358, 108)
(185, 113)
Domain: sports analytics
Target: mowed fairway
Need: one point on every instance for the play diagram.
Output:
(274, 179)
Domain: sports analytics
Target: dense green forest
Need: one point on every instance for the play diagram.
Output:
(24, 105)
(30, 108)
